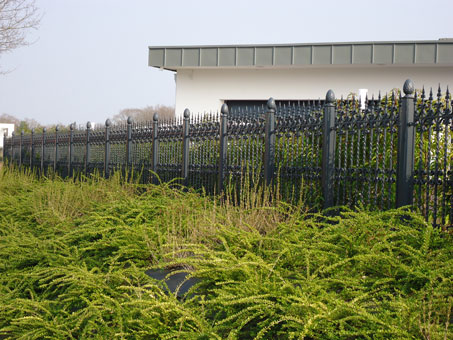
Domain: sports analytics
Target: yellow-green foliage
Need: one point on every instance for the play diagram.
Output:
(73, 255)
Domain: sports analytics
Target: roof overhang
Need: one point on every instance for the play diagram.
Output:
(404, 53)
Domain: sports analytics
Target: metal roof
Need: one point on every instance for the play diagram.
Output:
(423, 53)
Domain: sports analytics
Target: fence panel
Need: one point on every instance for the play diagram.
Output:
(15, 147)
(118, 141)
(26, 151)
(63, 154)
(79, 151)
(97, 151)
(141, 139)
(169, 150)
(204, 152)
(365, 170)
(7, 145)
(244, 168)
(49, 152)
(298, 151)
(433, 175)
(37, 150)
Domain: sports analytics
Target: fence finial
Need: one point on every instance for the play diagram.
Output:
(88, 125)
(155, 116)
(44, 129)
(271, 104)
(57, 128)
(130, 120)
(108, 122)
(408, 87)
(330, 97)
(22, 133)
(224, 109)
(72, 126)
(186, 113)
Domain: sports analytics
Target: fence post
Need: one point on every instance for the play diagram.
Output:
(155, 155)
(71, 148)
(269, 142)
(32, 149)
(185, 147)
(55, 161)
(406, 139)
(223, 147)
(21, 147)
(129, 143)
(108, 123)
(328, 149)
(87, 153)
(43, 144)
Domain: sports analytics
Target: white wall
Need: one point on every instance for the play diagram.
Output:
(204, 90)
(9, 128)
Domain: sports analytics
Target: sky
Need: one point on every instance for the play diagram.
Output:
(89, 58)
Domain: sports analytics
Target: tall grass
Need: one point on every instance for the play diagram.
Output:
(73, 255)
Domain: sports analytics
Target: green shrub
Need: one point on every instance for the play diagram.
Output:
(73, 255)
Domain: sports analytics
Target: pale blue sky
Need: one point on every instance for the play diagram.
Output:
(89, 59)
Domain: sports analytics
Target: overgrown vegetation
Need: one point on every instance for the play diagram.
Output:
(73, 255)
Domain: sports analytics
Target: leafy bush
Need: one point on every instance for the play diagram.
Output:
(73, 256)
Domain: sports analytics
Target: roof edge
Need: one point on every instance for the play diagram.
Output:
(439, 41)
(416, 52)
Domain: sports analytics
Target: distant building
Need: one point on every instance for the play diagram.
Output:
(5, 128)
(207, 76)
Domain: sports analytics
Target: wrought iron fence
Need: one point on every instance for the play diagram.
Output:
(395, 151)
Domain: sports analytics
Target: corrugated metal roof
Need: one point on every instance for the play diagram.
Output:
(428, 52)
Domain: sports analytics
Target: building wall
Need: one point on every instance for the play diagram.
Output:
(9, 128)
(204, 90)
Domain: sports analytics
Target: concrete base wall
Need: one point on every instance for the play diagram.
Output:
(204, 90)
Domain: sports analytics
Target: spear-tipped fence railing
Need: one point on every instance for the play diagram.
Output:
(395, 151)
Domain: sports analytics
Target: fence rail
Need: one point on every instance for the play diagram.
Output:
(396, 151)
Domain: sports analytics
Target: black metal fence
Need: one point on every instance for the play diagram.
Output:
(395, 151)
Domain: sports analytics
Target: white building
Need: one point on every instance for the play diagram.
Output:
(5, 128)
(208, 76)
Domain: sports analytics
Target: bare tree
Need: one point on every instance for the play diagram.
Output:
(145, 114)
(17, 17)
(25, 124)
(9, 119)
